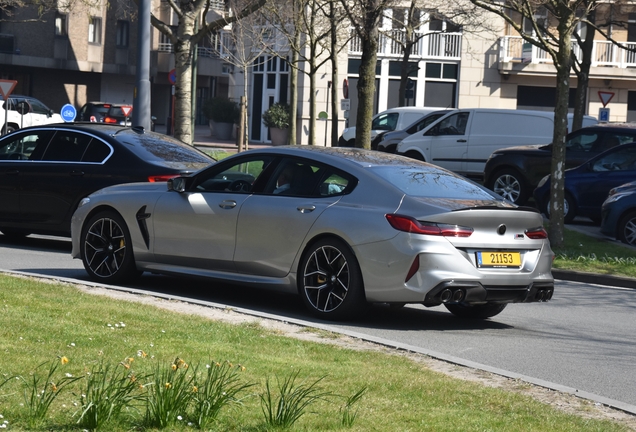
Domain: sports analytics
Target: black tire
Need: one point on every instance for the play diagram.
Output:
(511, 185)
(481, 311)
(627, 229)
(414, 155)
(569, 208)
(7, 130)
(330, 282)
(106, 248)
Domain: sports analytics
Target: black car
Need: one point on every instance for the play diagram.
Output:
(93, 112)
(514, 172)
(47, 170)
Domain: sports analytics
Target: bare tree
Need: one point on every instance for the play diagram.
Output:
(241, 44)
(365, 17)
(554, 35)
(184, 38)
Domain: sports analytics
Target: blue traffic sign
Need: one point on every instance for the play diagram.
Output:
(68, 113)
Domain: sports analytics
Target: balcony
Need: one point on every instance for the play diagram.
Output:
(446, 46)
(611, 61)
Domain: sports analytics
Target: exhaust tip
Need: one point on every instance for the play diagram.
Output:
(446, 295)
(458, 295)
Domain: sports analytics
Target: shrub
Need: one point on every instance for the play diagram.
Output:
(277, 116)
(221, 110)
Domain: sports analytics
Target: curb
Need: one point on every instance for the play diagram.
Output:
(593, 278)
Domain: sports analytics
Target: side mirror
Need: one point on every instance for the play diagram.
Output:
(177, 184)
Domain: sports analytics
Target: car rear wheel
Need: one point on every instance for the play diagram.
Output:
(481, 311)
(329, 280)
(510, 185)
(569, 208)
(106, 248)
(627, 229)
(9, 129)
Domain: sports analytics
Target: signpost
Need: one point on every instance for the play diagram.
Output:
(604, 113)
(6, 87)
(68, 113)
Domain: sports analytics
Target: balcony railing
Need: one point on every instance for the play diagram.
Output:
(432, 45)
(220, 51)
(604, 53)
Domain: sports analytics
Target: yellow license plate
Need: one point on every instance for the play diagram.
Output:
(498, 259)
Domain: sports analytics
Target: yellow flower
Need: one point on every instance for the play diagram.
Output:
(174, 366)
(126, 365)
(131, 359)
(185, 365)
(194, 389)
(63, 360)
(133, 378)
(242, 368)
(218, 364)
(167, 385)
(53, 387)
(142, 353)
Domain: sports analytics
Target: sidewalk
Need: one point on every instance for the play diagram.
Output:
(202, 138)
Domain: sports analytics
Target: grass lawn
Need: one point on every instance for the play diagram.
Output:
(52, 334)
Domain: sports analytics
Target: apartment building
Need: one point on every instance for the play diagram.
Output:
(88, 54)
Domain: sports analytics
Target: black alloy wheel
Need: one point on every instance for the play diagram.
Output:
(106, 248)
(330, 282)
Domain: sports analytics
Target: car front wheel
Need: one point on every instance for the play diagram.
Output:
(627, 229)
(481, 311)
(510, 185)
(106, 248)
(329, 280)
(569, 208)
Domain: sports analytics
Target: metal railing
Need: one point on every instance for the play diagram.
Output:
(431, 45)
(604, 53)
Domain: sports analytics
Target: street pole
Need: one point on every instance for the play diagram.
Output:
(141, 99)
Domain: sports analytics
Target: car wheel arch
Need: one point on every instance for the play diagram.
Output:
(415, 154)
(622, 221)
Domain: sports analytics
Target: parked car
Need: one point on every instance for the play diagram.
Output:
(388, 120)
(463, 140)
(24, 111)
(618, 213)
(515, 172)
(388, 141)
(47, 170)
(119, 114)
(588, 185)
(354, 226)
(93, 112)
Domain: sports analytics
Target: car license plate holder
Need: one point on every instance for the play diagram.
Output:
(498, 259)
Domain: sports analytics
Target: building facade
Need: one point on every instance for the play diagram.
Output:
(89, 54)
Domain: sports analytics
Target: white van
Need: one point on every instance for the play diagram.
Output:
(463, 140)
(392, 119)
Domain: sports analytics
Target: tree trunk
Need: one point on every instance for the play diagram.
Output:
(293, 92)
(366, 79)
(183, 86)
(312, 101)
(562, 64)
(334, 76)
(583, 75)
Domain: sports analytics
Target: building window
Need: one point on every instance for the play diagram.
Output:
(61, 25)
(95, 30)
(122, 34)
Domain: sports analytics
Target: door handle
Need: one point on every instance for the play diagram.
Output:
(227, 204)
(461, 140)
(306, 209)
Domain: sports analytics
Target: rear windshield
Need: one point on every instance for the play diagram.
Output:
(153, 147)
(431, 182)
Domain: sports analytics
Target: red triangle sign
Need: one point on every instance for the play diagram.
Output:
(126, 109)
(6, 87)
(605, 97)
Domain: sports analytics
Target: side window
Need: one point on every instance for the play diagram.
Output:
(38, 107)
(586, 141)
(453, 125)
(335, 184)
(23, 146)
(623, 160)
(243, 176)
(295, 178)
(386, 122)
(66, 147)
(97, 152)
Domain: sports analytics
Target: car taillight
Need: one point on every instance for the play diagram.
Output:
(412, 225)
(537, 233)
(161, 178)
(110, 120)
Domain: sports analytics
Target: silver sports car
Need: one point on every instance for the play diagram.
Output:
(340, 226)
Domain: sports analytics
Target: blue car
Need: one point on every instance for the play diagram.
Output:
(587, 185)
(619, 214)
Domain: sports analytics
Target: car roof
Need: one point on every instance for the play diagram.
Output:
(606, 126)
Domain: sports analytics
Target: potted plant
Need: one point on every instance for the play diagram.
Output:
(222, 114)
(276, 118)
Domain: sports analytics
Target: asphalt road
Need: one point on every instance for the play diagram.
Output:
(584, 339)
